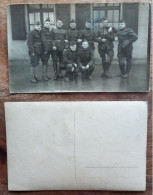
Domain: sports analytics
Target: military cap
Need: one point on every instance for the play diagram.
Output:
(122, 21)
(72, 21)
(38, 23)
(47, 20)
(89, 21)
(72, 43)
(59, 19)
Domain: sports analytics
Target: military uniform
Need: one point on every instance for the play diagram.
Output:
(105, 49)
(35, 51)
(69, 64)
(88, 35)
(59, 36)
(85, 57)
(47, 50)
(126, 37)
(73, 35)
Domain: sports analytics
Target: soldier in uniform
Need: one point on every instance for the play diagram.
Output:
(88, 34)
(85, 61)
(73, 33)
(47, 48)
(59, 41)
(126, 36)
(35, 50)
(70, 62)
(105, 38)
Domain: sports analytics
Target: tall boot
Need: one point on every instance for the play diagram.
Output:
(104, 69)
(48, 75)
(107, 70)
(32, 75)
(36, 75)
(44, 76)
(128, 67)
(55, 70)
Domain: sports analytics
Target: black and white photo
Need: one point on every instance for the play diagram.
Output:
(98, 47)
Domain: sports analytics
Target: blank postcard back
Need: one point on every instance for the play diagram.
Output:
(76, 145)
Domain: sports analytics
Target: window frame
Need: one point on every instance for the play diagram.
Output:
(41, 10)
(105, 8)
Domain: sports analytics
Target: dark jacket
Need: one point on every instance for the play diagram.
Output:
(46, 39)
(126, 37)
(73, 35)
(109, 36)
(69, 57)
(34, 42)
(59, 36)
(84, 57)
(89, 35)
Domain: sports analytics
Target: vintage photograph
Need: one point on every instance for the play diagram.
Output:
(98, 47)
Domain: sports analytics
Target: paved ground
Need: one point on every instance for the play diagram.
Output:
(137, 82)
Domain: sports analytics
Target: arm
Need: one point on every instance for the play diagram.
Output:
(79, 60)
(110, 36)
(44, 41)
(132, 36)
(65, 58)
(92, 60)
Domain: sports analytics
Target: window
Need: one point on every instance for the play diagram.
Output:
(40, 12)
(109, 10)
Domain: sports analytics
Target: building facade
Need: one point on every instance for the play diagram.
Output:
(21, 19)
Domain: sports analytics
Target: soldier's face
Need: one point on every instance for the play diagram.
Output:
(59, 24)
(85, 45)
(38, 27)
(73, 47)
(88, 25)
(47, 24)
(105, 23)
(122, 26)
(73, 25)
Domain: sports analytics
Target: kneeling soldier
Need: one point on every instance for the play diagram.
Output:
(85, 60)
(35, 50)
(70, 62)
(126, 36)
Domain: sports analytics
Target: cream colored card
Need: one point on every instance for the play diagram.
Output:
(76, 145)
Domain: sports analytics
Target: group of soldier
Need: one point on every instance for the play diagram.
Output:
(72, 51)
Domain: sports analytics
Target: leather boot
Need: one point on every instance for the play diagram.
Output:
(32, 75)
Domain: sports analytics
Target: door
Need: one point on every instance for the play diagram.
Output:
(63, 12)
(130, 15)
(82, 12)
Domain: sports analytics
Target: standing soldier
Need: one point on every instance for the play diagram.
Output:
(85, 60)
(126, 36)
(59, 41)
(70, 62)
(73, 33)
(47, 48)
(88, 34)
(105, 38)
(35, 50)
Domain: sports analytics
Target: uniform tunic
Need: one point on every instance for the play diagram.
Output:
(35, 47)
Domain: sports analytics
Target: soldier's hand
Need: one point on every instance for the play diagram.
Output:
(54, 48)
(79, 40)
(75, 65)
(110, 30)
(66, 41)
(72, 69)
(45, 52)
(83, 67)
(32, 54)
(104, 40)
(87, 66)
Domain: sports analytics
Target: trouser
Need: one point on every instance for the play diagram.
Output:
(87, 72)
(107, 57)
(34, 60)
(57, 56)
(70, 71)
(45, 59)
(125, 53)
